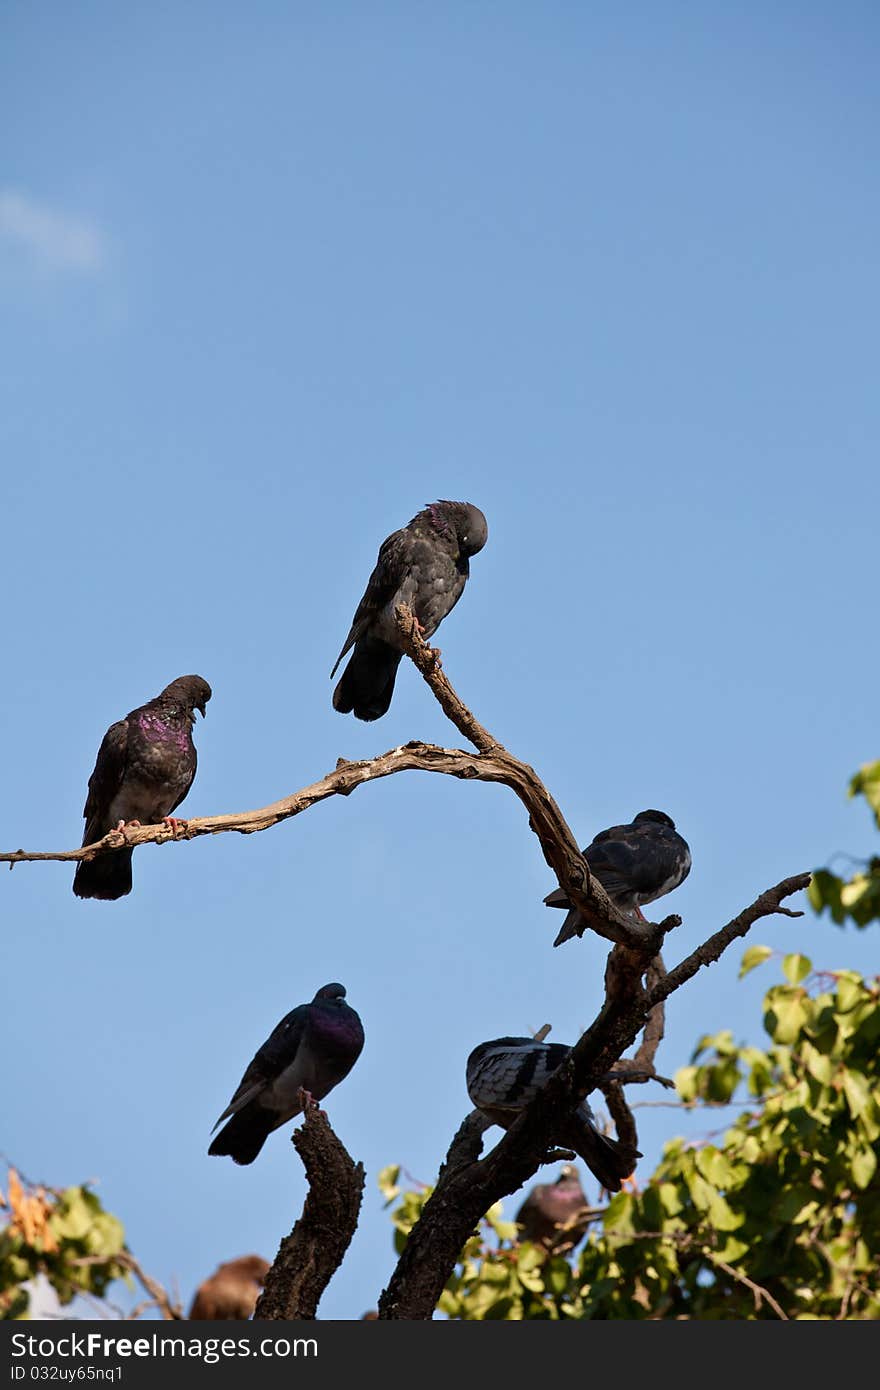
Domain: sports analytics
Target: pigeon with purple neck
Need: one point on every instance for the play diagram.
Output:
(312, 1049)
(145, 766)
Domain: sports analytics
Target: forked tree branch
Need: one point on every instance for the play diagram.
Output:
(467, 1185)
(491, 763)
(466, 1190)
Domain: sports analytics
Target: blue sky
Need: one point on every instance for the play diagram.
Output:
(270, 280)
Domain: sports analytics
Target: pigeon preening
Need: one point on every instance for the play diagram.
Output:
(505, 1074)
(231, 1291)
(634, 863)
(425, 566)
(144, 769)
(313, 1048)
(555, 1214)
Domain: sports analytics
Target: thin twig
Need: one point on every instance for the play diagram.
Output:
(170, 1309)
(758, 1290)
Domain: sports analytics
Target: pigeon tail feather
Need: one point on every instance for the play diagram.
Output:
(107, 877)
(367, 683)
(609, 1160)
(243, 1137)
(570, 927)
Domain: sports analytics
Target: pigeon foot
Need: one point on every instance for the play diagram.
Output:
(177, 827)
(309, 1102)
(124, 825)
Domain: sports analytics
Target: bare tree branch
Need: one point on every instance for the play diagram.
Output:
(764, 906)
(465, 1193)
(467, 1185)
(492, 763)
(169, 1307)
(316, 1247)
(759, 1293)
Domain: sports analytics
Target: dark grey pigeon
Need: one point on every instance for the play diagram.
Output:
(424, 565)
(635, 864)
(313, 1048)
(555, 1214)
(144, 769)
(505, 1074)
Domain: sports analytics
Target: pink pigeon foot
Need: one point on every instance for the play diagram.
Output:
(174, 825)
(309, 1102)
(123, 825)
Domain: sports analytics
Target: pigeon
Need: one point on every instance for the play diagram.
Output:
(144, 769)
(424, 565)
(505, 1074)
(313, 1048)
(232, 1290)
(634, 863)
(555, 1214)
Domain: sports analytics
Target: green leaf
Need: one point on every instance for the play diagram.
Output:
(863, 1166)
(754, 956)
(850, 990)
(558, 1275)
(721, 1215)
(686, 1083)
(387, 1182)
(714, 1166)
(72, 1217)
(670, 1198)
(824, 891)
(796, 968)
(450, 1304)
(619, 1215)
(786, 1017)
(866, 783)
(857, 1092)
(107, 1235)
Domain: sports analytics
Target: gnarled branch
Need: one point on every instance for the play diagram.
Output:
(309, 1257)
(491, 763)
(466, 1191)
(468, 1185)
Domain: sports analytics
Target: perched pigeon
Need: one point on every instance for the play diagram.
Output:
(313, 1047)
(144, 769)
(634, 863)
(555, 1214)
(232, 1290)
(424, 565)
(505, 1074)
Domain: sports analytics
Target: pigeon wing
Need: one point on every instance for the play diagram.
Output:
(277, 1052)
(394, 558)
(637, 859)
(105, 780)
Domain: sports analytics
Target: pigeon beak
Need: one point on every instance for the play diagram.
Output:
(201, 709)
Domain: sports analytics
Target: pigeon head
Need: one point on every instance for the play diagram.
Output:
(189, 692)
(468, 523)
(330, 994)
(660, 817)
(568, 1173)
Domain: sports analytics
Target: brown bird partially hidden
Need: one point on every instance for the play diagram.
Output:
(232, 1290)
(556, 1214)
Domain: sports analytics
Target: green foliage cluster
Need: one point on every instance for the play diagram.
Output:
(66, 1235)
(779, 1219)
(856, 899)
